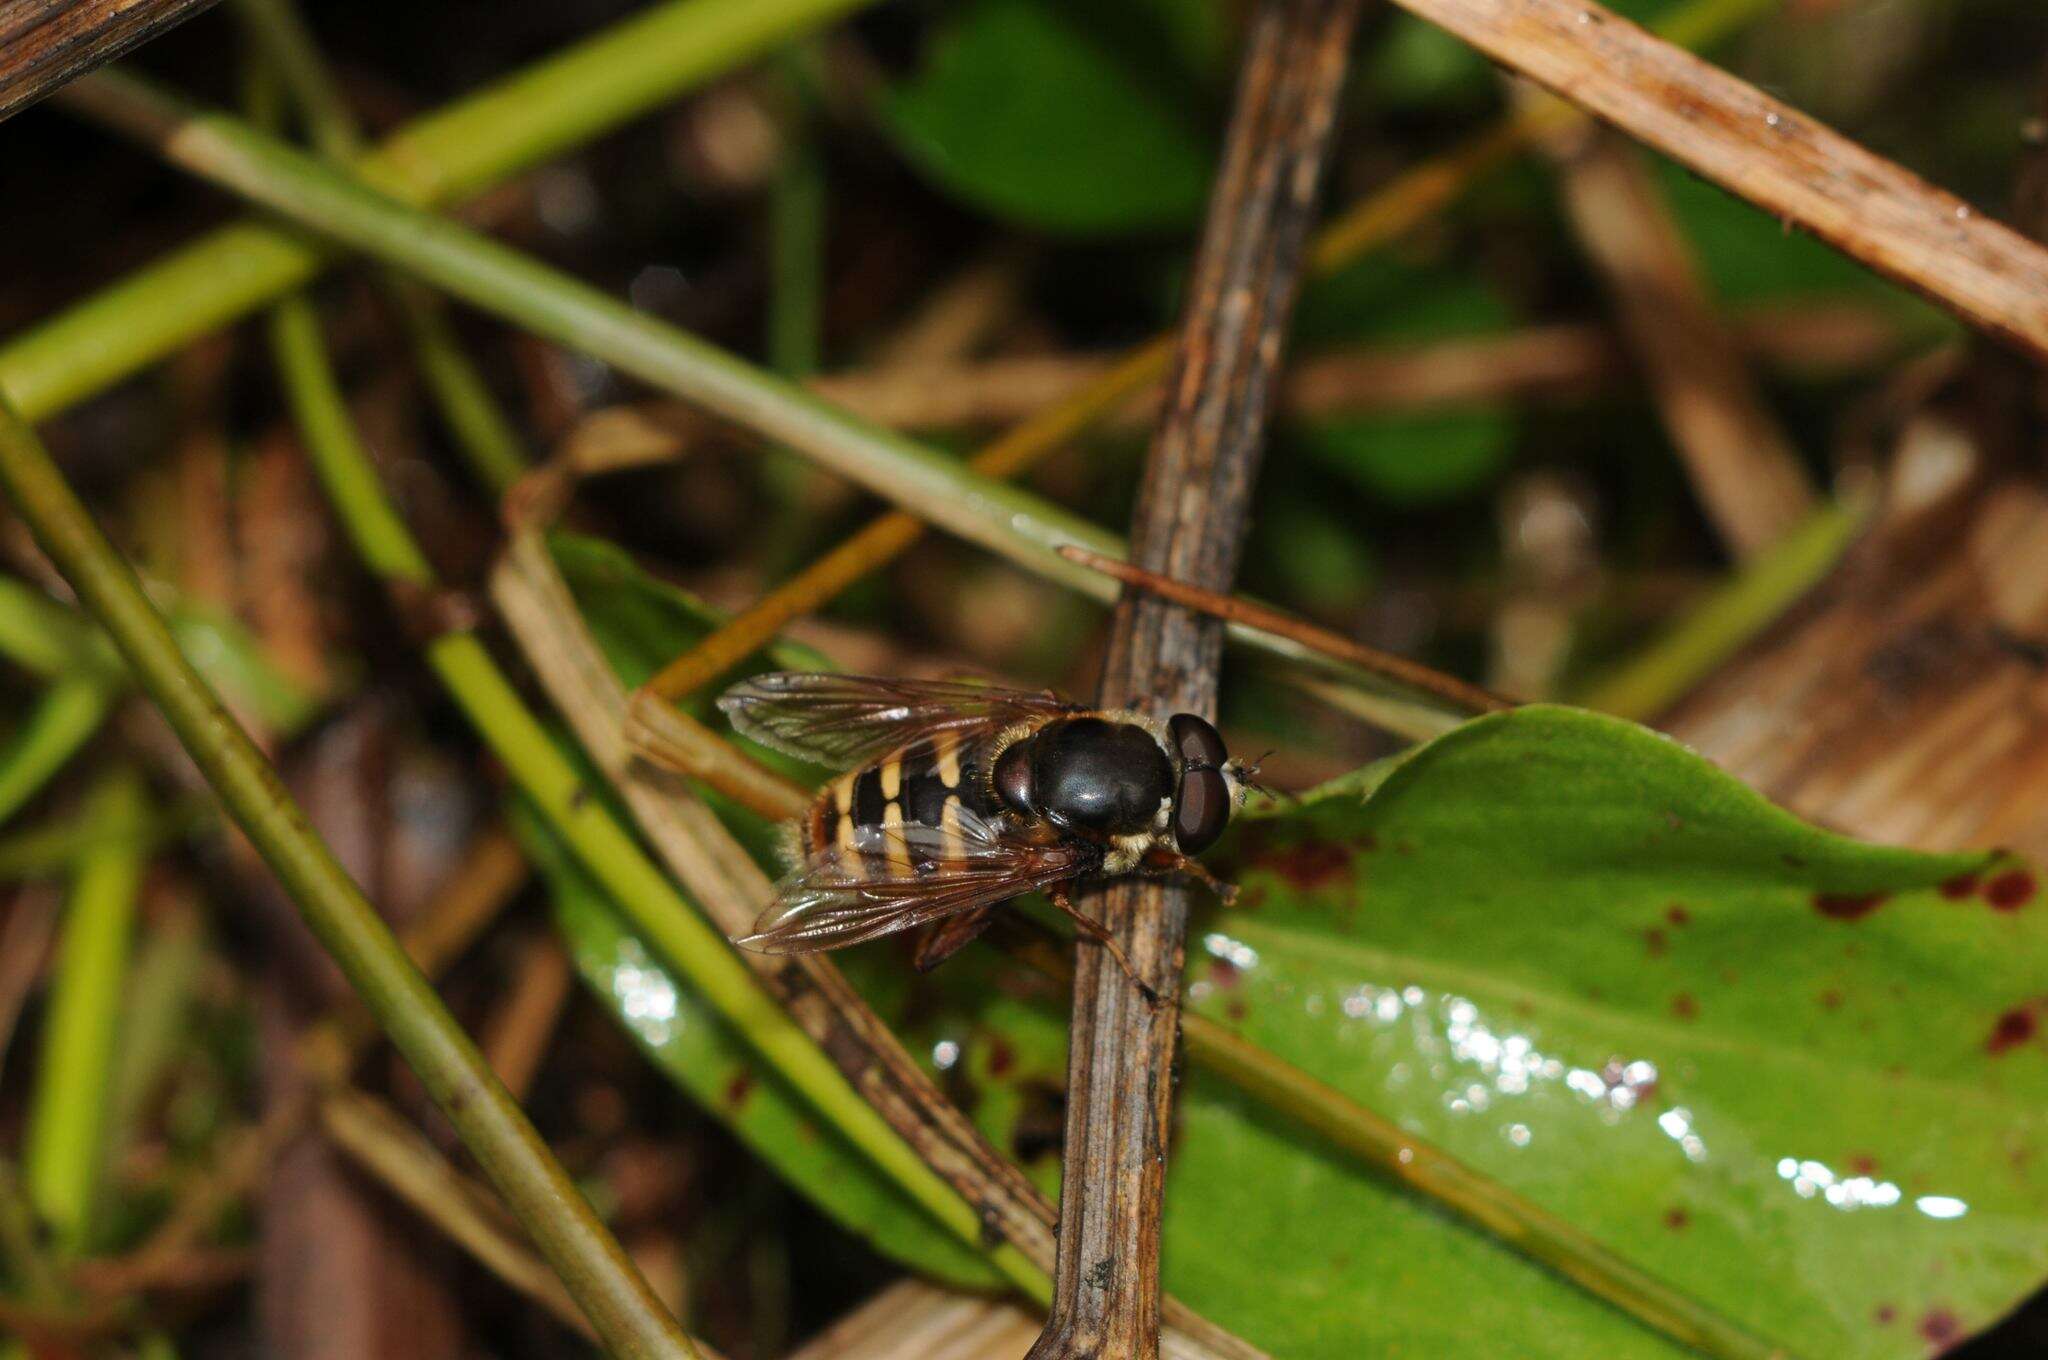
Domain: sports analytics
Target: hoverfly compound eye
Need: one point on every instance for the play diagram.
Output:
(1201, 811)
(1201, 806)
(1195, 742)
(1013, 778)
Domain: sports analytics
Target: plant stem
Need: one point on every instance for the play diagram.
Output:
(481, 429)
(63, 720)
(1734, 613)
(35, 1278)
(444, 157)
(796, 232)
(67, 1132)
(610, 1291)
(40, 635)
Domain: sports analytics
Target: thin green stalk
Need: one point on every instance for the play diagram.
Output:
(49, 640)
(67, 1126)
(1729, 617)
(53, 847)
(1005, 519)
(796, 238)
(42, 636)
(21, 1251)
(444, 157)
(289, 52)
(796, 289)
(495, 451)
(329, 434)
(607, 849)
(605, 1284)
(482, 432)
(62, 722)
(1541, 1236)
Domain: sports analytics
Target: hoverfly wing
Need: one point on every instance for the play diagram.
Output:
(902, 876)
(843, 721)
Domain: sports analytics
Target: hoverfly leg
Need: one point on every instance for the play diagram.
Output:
(1095, 931)
(947, 938)
(1165, 864)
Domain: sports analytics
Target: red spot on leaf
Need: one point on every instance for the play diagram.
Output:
(1001, 1057)
(1885, 1315)
(1677, 915)
(1655, 942)
(1831, 1000)
(1961, 886)
(1677, 1219)
(1684, 1007)
(1235, 1010)
(2012, 1029)
(738, 1089)
(1307, 864)
(1223, 973)
(1863, 1164)
(1847, 906)
(2010, 890)
(1941, 1327)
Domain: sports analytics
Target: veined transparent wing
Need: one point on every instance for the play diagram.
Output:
(844, 721)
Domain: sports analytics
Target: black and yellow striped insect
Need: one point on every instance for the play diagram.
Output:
(959, 797)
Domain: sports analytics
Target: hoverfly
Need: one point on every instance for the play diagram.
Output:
(959, 797)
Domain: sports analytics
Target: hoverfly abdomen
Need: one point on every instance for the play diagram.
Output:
(927, 784)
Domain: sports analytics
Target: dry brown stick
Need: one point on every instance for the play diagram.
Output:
(1193, 506)
(383, 1143)
(1742, 464)
(516, 1037)
(1235, 609)
(959, 317)
(44, 43)
(535, 603)
(1765, 151)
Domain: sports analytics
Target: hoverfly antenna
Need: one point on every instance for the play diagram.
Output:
(1246, 773)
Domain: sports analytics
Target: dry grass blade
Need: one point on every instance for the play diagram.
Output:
(1193, 506)
(915, 1321)
(1742, 463)
(394, 1152)
(1769, 153)
(44, 43)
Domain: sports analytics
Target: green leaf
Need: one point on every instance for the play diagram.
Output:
(1041, 114)
(1516, 909)
(698, 1051)
(1411, 458)
(1418, 65)
(1789, 1072)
